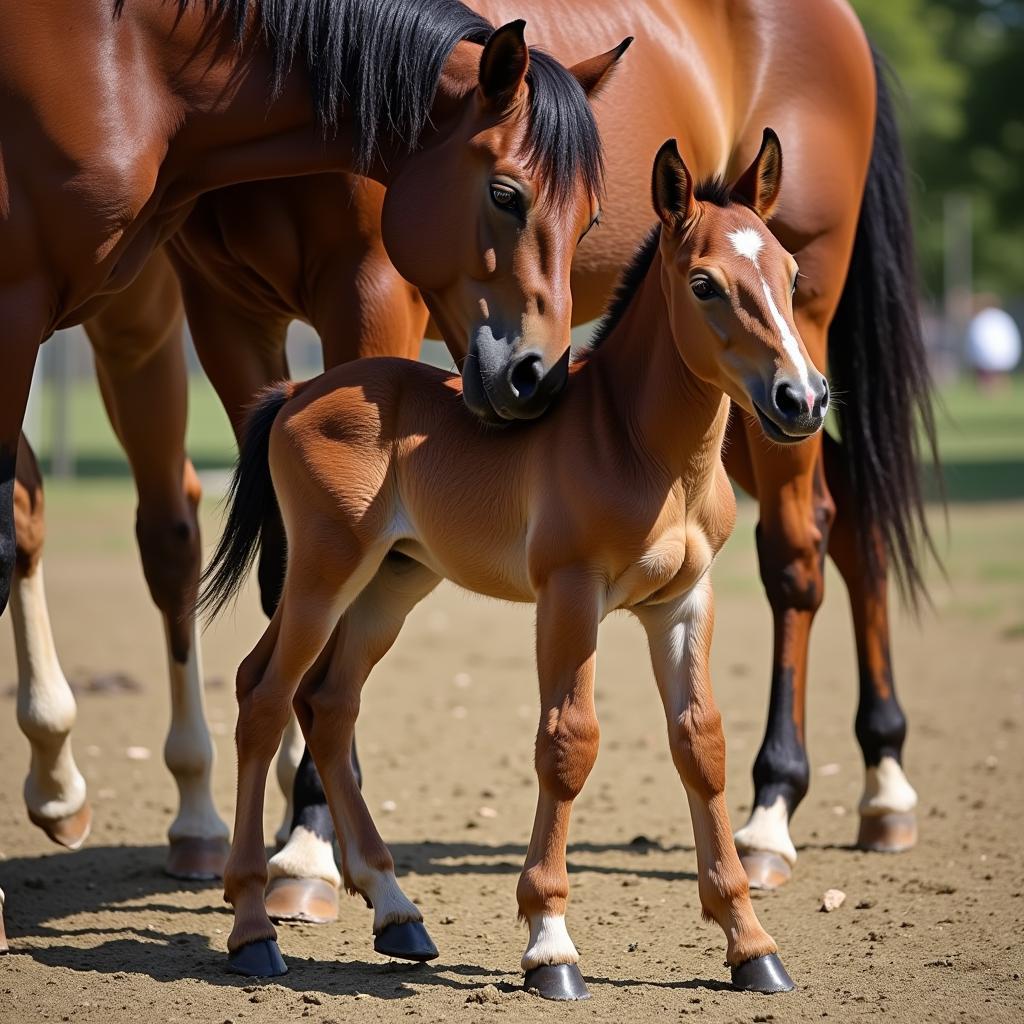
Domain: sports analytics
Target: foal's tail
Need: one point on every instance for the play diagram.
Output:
(251, 502)
(878, 363)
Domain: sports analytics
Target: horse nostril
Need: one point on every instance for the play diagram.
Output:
(824, 396)
(789, 401)
(526, 375)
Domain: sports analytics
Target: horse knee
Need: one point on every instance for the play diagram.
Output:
(792, 570)
(698, 749)
(567, 751)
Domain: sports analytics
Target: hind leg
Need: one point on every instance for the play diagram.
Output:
(141, 368)
(887, 819)
(327, 705)
(318, 587)
(55, 792)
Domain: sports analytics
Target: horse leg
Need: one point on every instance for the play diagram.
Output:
(796, 514)
(141, 368)
(887, 820)
(55, 791)
(315, 595)
(568, 613)
(680, 642)
(327, 705)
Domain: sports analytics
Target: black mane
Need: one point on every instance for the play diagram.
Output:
(383, 58)
(629, 281)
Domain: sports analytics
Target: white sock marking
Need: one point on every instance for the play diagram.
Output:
(886, 790)
(549, 942)
(767, 830)
(305, 855)
(54, 787)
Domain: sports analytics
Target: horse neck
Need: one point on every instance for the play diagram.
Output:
(673, 415)
(221, 104)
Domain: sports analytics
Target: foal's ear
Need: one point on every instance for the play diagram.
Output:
(759, 185)
(672, 187)
(503, 65)
(595, 73)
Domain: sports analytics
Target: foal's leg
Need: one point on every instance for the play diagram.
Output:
(141, 368)
(54, 789)
(327, 705)
(568, 614)
(796, 514)
(680, 643)
(887, 819)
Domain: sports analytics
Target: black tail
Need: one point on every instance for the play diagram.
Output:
(251, 503)
(878, 363)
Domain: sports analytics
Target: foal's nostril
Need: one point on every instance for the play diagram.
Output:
(824, 396)
(526, 375)
(789, 401)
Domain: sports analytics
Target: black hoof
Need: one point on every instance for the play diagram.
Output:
(762, 974)
(258, 960)
(557, 981)
(407, 941)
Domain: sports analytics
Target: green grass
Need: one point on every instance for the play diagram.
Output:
(981, 437)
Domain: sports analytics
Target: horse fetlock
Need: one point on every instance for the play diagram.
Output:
(390, 904)
(767, 831)
(886, 790)
(54, 787)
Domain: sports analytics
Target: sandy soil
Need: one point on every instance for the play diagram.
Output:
(935, 934)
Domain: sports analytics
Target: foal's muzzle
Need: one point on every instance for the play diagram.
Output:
(792, 411)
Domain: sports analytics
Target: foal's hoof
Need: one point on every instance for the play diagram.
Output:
(260, 959)
(302, 899)
(765, 870)
(406, 941)
(762, 974)
(556, 981)
(887, 833)
(70, 832)
(197, 860)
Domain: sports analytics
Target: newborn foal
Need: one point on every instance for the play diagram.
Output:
(616, 499)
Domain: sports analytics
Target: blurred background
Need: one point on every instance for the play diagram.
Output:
(961, 67)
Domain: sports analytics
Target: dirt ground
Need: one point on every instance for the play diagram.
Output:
(936, 934)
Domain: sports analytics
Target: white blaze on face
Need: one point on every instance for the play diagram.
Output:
(748, 243)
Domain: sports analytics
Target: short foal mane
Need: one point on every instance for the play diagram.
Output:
(717, 192)
(383, 59)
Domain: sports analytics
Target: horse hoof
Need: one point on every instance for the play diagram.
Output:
(406, 941)
(261, 959)
(556, 981)
(302, 899)
(70, 832)
(762, 974)
(887, 833)
(197, 860)
(765, 870)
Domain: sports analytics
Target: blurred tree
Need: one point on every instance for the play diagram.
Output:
(961, 64)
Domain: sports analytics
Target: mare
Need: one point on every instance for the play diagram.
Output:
(160, 101)
(616, 500)
(710, 73)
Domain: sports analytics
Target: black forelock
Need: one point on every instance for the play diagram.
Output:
(629, 281)
(383, 60)
(715, 190)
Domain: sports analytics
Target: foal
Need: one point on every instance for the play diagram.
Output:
(617, 499)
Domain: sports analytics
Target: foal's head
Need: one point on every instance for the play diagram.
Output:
(730, 286)
(485, 220)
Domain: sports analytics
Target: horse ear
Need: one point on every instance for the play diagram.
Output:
(672, 187)
(595, 73)
(503, 64)
(759, 185)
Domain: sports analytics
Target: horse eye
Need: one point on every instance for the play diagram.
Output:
(703, 289)
(504, 197)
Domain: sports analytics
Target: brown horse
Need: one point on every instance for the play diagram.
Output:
(710, 74)
(616, 500)
(159, 101)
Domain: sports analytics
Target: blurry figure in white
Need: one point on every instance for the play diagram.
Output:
(993, 343)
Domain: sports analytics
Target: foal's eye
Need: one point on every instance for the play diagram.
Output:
(504, 197)
(703, 289)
